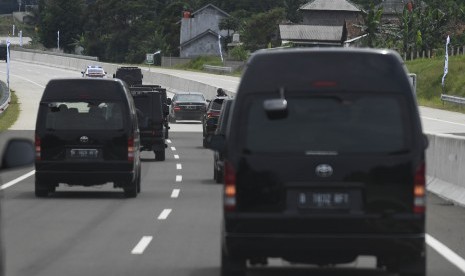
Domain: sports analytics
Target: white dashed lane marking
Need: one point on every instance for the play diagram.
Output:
(176, 156)
(175, 193)
(164, 214)
(178, 178)
(17, 180)
(178, 167)
(168, 141)
(173, 148)
(142, 245)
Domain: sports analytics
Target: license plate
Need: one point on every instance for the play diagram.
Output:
(190, 107)
(324, 200)
(83, 153)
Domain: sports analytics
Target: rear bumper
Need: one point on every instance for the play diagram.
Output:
(323, 247)
(188, 115)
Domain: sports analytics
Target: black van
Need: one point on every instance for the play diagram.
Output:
(324, 162)
(87, 134)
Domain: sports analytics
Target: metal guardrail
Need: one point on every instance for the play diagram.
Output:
(212, 68)
(452, 99)
(5, 97)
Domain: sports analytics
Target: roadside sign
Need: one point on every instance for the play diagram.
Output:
(149, 59)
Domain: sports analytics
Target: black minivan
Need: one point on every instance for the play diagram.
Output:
(324, 162)
(87, 134)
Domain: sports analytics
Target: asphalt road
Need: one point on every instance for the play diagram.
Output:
(171, 228)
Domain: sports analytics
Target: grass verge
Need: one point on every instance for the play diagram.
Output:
(11, 114)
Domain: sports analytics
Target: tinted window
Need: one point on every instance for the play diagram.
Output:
(83, 115)
(190, 98)
(330, 125)
(216, 104)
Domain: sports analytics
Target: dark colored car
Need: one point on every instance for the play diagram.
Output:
(150, 108)
(324, 162)
(187, 106)
(210, 118)
(87, 134)
(218, 157)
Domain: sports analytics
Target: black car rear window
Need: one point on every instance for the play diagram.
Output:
(330, 126)
(190, 98)
(101, 115)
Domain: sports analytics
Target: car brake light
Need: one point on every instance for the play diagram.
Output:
(37, 146)
(229, 187)
(419, 192)
(131, 148)
(176, 107)
(212, 114)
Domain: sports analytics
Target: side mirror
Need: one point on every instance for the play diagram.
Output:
(276, 108)
(168, 101)
(18, 152)
(217, 142)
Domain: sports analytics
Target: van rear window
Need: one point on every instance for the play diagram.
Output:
(82, 115)
(330, 126)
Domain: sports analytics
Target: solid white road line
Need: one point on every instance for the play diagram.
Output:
(176, 156)
(178, 178)
(164, 214)
(173, 148)
(450, 255)
(443, 121)
(168, 141)
(142, 245)
(178, 167)
(13, 182)
(175, 193)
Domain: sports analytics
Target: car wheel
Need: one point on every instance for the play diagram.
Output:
(41, 190)
(160, 155)
(232, 266)
(139, 181)
(204, 142)
(215, 173)
(219, 176)
(130, 190)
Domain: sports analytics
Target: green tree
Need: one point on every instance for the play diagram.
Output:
(63, 16)
(372, 19)
(261, 29)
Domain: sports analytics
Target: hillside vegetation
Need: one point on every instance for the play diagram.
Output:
(429, 75)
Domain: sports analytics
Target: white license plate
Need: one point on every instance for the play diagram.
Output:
(324, 200)
(84, 153)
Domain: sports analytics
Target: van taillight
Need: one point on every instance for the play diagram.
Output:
(131, 148)
(37, 146)
(229, 187)
(419, 190)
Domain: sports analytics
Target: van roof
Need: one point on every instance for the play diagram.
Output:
(340, 68)
(83, 88)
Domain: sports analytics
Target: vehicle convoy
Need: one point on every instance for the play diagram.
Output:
(187, 106)
(210, 118)
(324, 162)
(152, 104)
(87, 134)
(94, 71)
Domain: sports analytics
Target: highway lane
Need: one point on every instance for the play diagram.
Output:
(94, 230)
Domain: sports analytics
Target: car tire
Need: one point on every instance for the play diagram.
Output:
(232, 266)
(130, 191)
(219, 176)
(139, 180)
(160, 155)
(41, 190)
(204, 142)
(215, 173)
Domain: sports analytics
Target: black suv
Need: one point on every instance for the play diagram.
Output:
(210, 118)
(87, 134)
(324, 161)
(218, 157)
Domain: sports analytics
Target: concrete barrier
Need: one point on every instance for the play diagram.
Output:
(445, 163)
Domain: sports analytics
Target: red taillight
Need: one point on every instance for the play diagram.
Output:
(176, 107)
(419, 190)
(229, 187)
(131, 148)
(212, 114)
(37, 146)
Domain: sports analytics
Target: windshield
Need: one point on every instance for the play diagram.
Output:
(329, 125)
(84, 115)
(190, 98)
